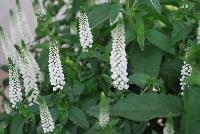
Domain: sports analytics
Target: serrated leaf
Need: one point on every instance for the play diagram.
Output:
(160, 40)
(17, 124)
(78, 117)
(99, 14)
(147, 61)
(147, 106)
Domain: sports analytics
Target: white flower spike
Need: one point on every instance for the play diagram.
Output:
(47, 122)
(35, 66)
(39, 11)
(23, 25)
(55, 66)
(103, 111)
(29, 77)
(118, 59)
(8, 47)
(15, 94)
(85, 34)
(14, 29)
(186, 71)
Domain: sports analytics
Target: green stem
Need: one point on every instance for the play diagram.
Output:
(146, 88)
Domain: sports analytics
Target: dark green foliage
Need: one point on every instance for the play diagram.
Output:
(158, 32)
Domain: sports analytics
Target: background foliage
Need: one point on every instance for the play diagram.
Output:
(158, 32)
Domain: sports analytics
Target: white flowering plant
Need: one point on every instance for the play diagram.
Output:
(102, 67)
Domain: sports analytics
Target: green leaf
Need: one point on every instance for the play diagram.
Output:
(4, 68)
(170, 73)
(107, 78)
(154, 132)
(138, 128)
(180, 31)
(155, 14)
(54, 113)
(145, 62)
(5, 117)
(24, 109)
(130, 36)
(147, 106)
(78, 89)
(2, 127)
(99, 14)
(160, 40)
(139, 79)
(127, 127)
(156, 5)
(93, 111)
(169, 2)
(114, 12)
(58, 129)
(78, 117)
(17, 124)
(139, 27)
(192, 109)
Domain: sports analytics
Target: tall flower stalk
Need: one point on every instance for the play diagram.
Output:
(55, 66)
(37, 8)
(35, 65)
(29, 77)
(186, 71)
(85, 34)
(24, 28)
(8, 47)
(103, 111)
(15, 94)
(118, 59)
(14, 29)
(47, 122)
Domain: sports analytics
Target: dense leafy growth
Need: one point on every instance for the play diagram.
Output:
(158, 35)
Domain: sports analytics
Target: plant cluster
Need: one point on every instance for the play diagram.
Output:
(103, 67)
